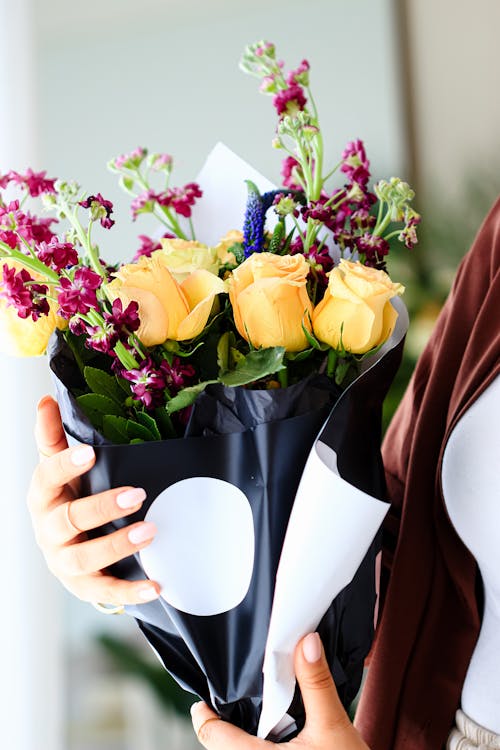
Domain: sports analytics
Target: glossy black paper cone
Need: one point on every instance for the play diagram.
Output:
(258, 441)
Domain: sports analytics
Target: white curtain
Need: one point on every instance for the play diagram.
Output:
(31, 665)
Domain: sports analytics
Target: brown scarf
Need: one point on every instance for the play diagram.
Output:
(431, 617)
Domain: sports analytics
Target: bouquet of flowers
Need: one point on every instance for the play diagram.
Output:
(239, 379)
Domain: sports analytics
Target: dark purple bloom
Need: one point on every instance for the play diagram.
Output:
(177, 375)
(78, 295)
(57, 255)
(288, 165)
(9, 237)
(124, 322)
(148, 383)
(290, 100)
(35, 182)
(99, 209)
(20, 290)
(355, 164)
(374, 248)
(15, 223)
(101, 338)
(77, 325)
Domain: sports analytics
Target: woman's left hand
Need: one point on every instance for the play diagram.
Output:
(327, 724)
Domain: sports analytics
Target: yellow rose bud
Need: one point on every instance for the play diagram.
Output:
(357, 306)
(270, 301)
(167, 309)
(222, 248)
(24, 337)
(182, 257)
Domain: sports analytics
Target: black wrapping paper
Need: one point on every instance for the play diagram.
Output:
(258, 441)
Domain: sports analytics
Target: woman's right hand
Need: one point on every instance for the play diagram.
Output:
(61, 519)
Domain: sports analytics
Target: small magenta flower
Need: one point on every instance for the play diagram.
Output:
(181, 200)
(290, 171)
(374, 248)
(57, 255)
(101, 338)
(132, 160)
(408, 234)
(149, 246)
(20, 290)
(161, 162)
(100, 209)
(35, 182)
(355, 164)
(148, 383)
(290, 100)
(78, 295)
(124, 321)
(177, 375)
(143, 203)
(300, 75)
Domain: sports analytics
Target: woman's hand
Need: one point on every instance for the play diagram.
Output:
(61, 519)
(327, 725)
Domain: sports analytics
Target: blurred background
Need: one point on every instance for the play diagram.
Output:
(417, 80)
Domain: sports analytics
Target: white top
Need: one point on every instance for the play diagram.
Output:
(471, 490)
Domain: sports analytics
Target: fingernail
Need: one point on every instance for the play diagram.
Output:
(195, 707)
(311, 648)
(82, 455)
(148, 593)
(142, 533)
(44, 400)
(131, 498)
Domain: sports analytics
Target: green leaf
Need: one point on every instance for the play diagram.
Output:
(94, 402)
(101, 382)
(341, 371)
(136, 441)
(127, 183)
(258, 364)
(300, 356)
(138, 431)
(252, 188)
(223, 352)
(115, 428)
(147, 421)
(187, 396)
(164, 422)
(312, 340)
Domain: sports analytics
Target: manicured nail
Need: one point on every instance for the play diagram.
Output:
(311, 648)
(81, 456)
(142, 533)
(131, 498)
(148, 593)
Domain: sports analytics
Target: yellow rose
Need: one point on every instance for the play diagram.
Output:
(182, 257)
(269, 298)
(222, 248)
(24, 337)
(357, 302)
(167, 309)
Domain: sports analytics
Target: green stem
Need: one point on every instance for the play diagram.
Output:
(331, 362)
(125, 357)
(33, 263)
(283, 377)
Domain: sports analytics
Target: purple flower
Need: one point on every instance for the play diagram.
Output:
(289, 168)
(131, 160)
(78, 295)
(148, 246)
(57, 255)
(14, 222)
(99, 209)
(355, 164)
(101, 338)
(177, 375)
(181, 199)
(162, 162)
(143, 203)
(125, 321)
(300, 75)
(20, 290)
(35, 182)
(290, 100)
(374, 248)
(148, 383)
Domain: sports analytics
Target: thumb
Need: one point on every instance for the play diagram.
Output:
(49, 432)
(324, 711)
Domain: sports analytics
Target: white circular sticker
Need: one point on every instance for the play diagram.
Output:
(202, 555)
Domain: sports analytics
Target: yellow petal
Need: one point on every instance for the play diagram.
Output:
(24, 337)
(199, 285)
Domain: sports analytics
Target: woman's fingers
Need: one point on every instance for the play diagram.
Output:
(87, 557)
(215, 734)
(67, 520)
(53, 473)
(49, 432)
(327, 723)
(115, 591)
